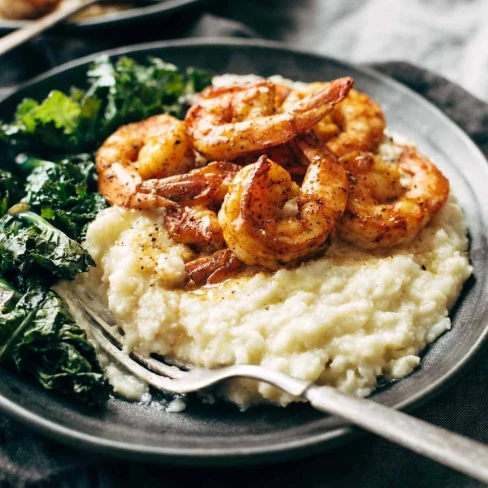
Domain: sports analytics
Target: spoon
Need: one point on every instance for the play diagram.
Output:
(33, 29)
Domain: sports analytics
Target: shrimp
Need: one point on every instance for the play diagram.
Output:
(26, 9)
(136, 156)
(361, 122)
(205, 186)
(195, 226)
(355, 124)
(199, 194)
(380, 211)
(213, 269)
(286, 155)
(231, 121)
(257, 228)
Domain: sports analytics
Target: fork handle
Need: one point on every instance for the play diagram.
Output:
(33, 29)
(453, 450)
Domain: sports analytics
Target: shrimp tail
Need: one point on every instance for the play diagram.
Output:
(220, 128)
(312, 109)
(214, 268)
(126, 188)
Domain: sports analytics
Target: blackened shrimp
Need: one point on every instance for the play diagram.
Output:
(361, 122)
(134, 159)
(199, 195)
(355, 124)
(205, 186)
(381, 212)
(215, 268)
(196, 226)
(229, 122)
(258, 229)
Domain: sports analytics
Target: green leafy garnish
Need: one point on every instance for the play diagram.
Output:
(118, 93)
(31, 246)
(133, 92)
(39, 336)
(56, 200)
(64, 193)
(10, 191)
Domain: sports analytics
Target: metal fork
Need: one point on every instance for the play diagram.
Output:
(458, 452)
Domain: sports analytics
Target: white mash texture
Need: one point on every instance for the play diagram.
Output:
(342, 320)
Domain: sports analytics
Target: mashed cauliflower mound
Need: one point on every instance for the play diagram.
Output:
(342, 320)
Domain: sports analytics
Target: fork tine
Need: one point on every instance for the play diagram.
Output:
(172, 379)
(197, 380)
(159, 382)
(151, 363)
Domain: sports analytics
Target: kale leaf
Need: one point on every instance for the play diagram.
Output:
(10, 191)
(37, 333)
(64, 193)
(133, 92)
(39, 336)
(32, 246)
(50, 124)
(197, 80)
(119, 92)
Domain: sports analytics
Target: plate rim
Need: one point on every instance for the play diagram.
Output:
(108, 20)
(260, 454)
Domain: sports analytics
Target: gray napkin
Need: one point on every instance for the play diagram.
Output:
(28, 460)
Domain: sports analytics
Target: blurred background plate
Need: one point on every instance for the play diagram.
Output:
(221, 434)
(131, 15)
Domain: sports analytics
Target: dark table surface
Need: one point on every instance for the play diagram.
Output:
(27, 459)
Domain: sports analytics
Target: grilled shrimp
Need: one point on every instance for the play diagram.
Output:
(380, 211)
(355, 124)
(213, 269)
(205, 186)
(361, 122)
(26, 9)
(199, 194)
(132, 161)
(139, 167)
(196, 226)
(229, 122)
(286, 155)
(259, 230)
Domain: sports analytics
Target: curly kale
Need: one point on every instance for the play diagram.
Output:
(58, 199)
(64, 193)
(119, 92)
(11, 191)
(50, 124)
(39, 337)
(31, 247)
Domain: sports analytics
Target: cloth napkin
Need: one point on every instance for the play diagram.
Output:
(29, 460)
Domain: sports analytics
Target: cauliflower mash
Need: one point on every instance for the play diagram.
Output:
(344, 320)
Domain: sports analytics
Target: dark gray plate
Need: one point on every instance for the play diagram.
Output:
(221, 434)
(131, 15)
